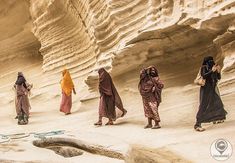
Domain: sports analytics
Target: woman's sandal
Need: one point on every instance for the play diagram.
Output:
(199, 129)
(156, 127)
(98, 123)
(148, 126)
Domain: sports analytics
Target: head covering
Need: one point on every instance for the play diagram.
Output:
(143, 74)
(208, 61)
(107, 87)
(105, 82)
(67, 82)
(144, 87)
(20, 74)
(20, 79)
(153, 72)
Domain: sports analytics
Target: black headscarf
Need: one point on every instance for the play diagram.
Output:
(20, 79)
(209, 62)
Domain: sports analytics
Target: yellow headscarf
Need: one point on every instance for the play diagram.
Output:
(67, 83)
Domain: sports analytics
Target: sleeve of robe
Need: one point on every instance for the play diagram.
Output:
(205, 73)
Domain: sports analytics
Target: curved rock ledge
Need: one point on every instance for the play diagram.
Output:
(136, 153)
(85, 146)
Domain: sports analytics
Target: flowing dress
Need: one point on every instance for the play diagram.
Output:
(22, 102)
(66, 103)
(150, 89)
(22, 105)
(211, 107)
(110, 101)
(67, 86)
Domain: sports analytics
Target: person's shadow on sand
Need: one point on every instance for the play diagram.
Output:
(129, 122)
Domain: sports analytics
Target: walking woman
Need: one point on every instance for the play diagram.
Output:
(21, 100)
(67, 87)
(109, 99)
(150, 88)
(211, 108)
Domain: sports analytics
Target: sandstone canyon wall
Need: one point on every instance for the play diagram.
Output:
(42, 37)
(16, 37)
(120, 35)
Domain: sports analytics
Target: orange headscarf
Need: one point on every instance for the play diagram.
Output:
(67, 83)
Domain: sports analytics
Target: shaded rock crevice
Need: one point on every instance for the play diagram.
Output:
(17, 40)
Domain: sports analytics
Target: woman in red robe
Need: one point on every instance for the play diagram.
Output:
(109, 99)
(150, 88)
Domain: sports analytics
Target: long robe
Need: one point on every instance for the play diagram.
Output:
(22, 90)
(109, 97)
(150, 89)
(67, 86)
(211, 107)
(21, 101)
(66, 103)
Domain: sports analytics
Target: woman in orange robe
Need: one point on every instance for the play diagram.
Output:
(67, 87)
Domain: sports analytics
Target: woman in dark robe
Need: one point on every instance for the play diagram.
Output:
(21, 101)
(109, 99)
(150, 88)
(211, 108)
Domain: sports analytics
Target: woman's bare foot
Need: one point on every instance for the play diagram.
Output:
(109, 123)
(199, 129)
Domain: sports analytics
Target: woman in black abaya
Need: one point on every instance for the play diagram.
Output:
(211, 108)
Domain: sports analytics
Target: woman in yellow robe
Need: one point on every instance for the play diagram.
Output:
(67, 87)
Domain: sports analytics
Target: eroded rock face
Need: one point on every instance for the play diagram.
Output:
(65, 35)
(16, 38)
(121, 35)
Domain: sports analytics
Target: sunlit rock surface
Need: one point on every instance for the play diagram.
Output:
(120, 35)
(42, 37)
(16, 38)
(123, 35)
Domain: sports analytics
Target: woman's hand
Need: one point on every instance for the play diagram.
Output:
(214, 68)
(218, 68)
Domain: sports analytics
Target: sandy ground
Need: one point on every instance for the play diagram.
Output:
(177, 112)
